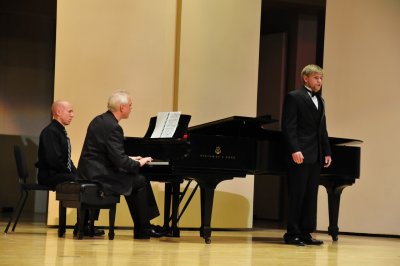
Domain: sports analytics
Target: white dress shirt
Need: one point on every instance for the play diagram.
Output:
(313, 98)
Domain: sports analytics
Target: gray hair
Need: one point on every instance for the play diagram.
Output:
(117, 99)
(311, 69)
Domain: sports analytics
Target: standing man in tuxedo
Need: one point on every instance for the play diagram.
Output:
(304, 130)
(103, 160)
(54, 156)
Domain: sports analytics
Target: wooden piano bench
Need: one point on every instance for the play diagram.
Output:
(84, 196)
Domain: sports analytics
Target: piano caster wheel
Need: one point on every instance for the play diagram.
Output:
(207, 240)
(335, 238)
(111, 236)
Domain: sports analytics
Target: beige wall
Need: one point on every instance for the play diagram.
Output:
(219, 58)
(361, 89)
(130, 44)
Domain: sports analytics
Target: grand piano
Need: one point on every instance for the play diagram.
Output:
(231, 148)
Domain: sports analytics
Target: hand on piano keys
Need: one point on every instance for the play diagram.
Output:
(142, 160)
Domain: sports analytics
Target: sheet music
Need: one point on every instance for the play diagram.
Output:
(166, 124)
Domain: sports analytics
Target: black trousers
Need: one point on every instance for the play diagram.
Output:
(51, 180)
(141, 202)
(302, 184)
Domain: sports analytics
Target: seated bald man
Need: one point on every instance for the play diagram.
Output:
(54, 156)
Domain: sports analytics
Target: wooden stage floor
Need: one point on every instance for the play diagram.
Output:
(33, 243)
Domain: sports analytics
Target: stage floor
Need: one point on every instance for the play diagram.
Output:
(33, 243)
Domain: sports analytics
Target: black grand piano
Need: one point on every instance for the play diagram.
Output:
(231, 148)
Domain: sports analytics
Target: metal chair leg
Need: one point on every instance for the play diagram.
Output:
(17, 211)
(20, 210)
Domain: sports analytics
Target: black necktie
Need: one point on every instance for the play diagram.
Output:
(69, 151)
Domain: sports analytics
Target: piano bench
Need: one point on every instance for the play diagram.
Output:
(83, 197)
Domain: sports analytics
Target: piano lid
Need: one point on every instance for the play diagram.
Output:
(242, 126)
(344, 141)
(234, 126)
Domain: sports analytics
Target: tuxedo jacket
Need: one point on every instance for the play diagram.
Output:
(103, 158)
(304, 126)
(53, 151)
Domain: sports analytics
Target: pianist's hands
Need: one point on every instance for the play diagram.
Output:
(143, 160)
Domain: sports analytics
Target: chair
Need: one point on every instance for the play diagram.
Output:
(23, 174)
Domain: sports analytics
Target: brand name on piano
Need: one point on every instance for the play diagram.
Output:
(213, 156)
(218, 155)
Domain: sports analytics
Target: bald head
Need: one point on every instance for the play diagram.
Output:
(62, 112)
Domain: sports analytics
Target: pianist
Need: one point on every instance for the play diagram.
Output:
(103, 159)
(304, 130)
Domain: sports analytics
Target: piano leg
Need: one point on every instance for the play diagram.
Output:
(172, 191)
(207, 187)
(334, 193)
(111, 222)
(206, 197)
(167, 204)
(175, 208)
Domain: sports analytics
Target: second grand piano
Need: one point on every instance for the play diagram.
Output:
(232, 148)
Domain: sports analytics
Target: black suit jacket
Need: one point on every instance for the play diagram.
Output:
(53, 151)
(304, 127)
(103, 156)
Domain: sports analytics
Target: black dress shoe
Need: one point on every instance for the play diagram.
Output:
(86, 231)
(97, 232)
(160, 229)
(312, 241)
(147, 233)
(295, 240)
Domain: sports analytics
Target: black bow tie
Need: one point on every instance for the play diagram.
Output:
(313, 93)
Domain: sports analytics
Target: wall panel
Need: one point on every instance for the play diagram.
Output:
(361, 65)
